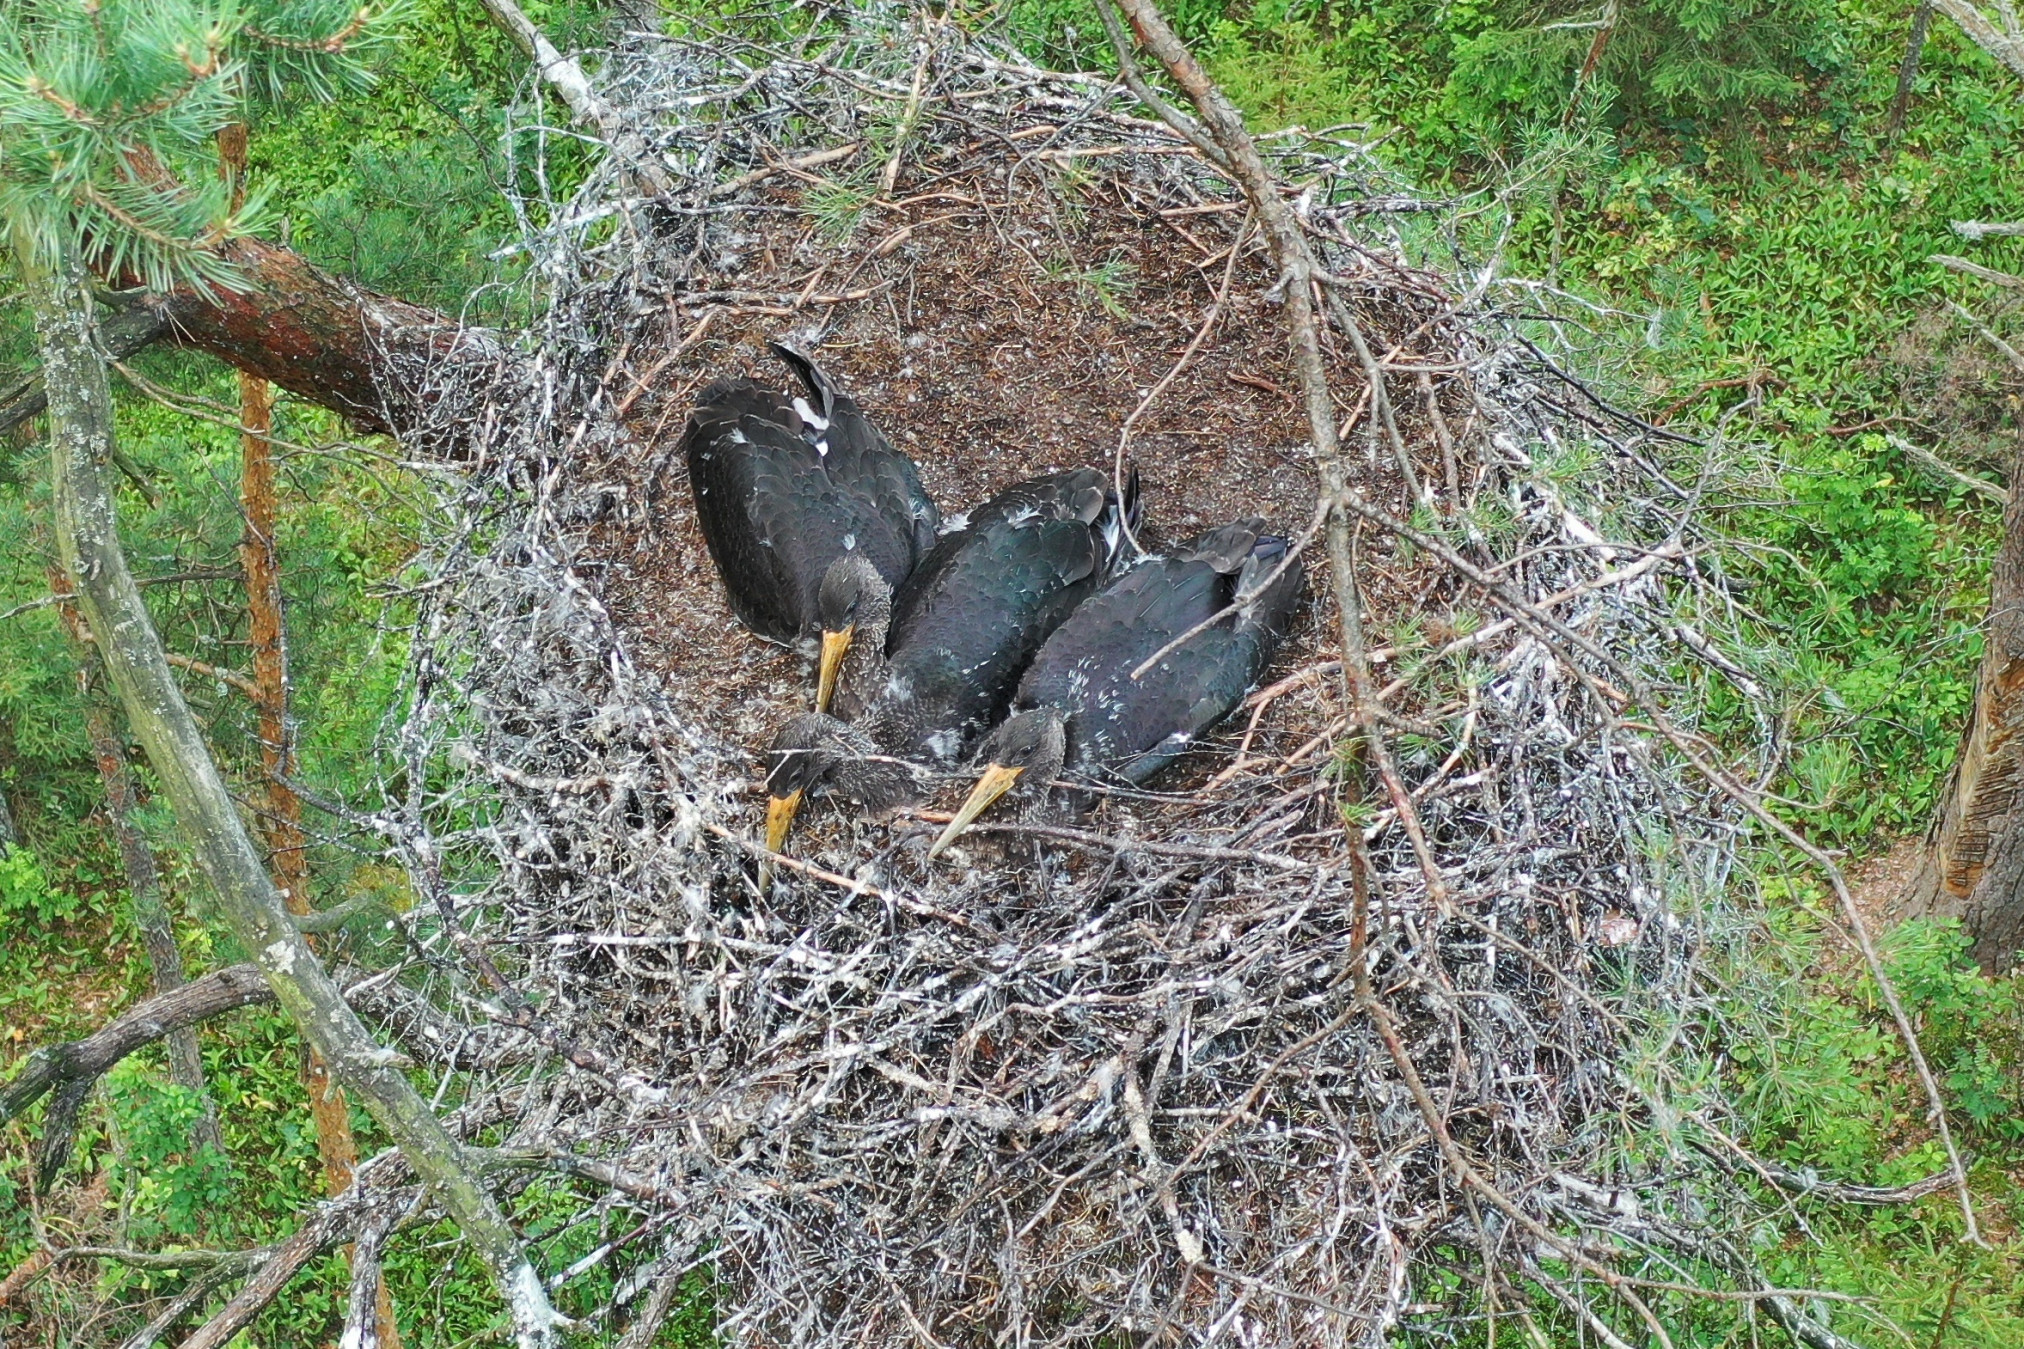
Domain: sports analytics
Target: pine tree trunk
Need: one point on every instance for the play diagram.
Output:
(1908, 69)
(281, 823)
(137, 859)
(1973, 868)
(80, 421)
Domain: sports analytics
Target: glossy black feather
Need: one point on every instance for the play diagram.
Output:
(1124, 728)
(972, 616)
(784, 484)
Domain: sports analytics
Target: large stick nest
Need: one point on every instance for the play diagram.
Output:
(1072, 1088)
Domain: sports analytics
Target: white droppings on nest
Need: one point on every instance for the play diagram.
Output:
(997, 1100)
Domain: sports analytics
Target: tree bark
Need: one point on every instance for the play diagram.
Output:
(137, 859)
(142, 1024)
(346, 348)
(281, 823)
(80, 412)
(1973, 868)
(1908, 69)
(359, 353)
(2005, 43)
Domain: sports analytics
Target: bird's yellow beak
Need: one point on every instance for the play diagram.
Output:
(834, 645)
(779, 818)
(995, 782)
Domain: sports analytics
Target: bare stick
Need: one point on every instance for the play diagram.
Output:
(1693, 749)
(1299, 274)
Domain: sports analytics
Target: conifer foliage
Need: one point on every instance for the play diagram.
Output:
(110, 111)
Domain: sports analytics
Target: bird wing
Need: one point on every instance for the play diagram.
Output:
(784, 486)
(977, 609)
(1127, 728)
(726, 470)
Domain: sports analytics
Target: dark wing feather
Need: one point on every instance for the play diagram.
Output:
(724, 471)
(1126, 728)
(980, 605)
(783, 487)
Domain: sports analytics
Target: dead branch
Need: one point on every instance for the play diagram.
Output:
(69, 1070)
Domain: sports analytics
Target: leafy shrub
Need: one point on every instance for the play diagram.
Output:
(1694, 61)
(169, 1187)
(25, 892)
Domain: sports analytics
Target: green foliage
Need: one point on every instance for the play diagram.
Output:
(25, 893)
(167, 1189)
(110, 113)
(1823, 1079)
(1703, 62)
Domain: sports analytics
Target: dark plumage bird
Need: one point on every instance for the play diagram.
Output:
(1083, 713)
(933, 667)
(788, 488)
(813, 755)
(965, 625)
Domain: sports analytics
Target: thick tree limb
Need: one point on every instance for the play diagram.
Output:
(73, 1067)
(324, 339)
(123, 332)
(329, 341)
(144, 889)
(80, 408)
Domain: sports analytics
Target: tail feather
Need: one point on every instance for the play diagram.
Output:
(1229, 547)
(1266, 602)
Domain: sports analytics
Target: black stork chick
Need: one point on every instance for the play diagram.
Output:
(1082, 712)
(790, 488)
(814, 756)
(936, 665)
(973, 615)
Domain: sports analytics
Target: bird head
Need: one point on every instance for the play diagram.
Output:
(853, 604)
(1026, 750)
(798, 761)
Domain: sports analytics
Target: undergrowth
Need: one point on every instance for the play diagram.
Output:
(1725, 195)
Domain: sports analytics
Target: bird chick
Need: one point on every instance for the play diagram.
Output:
(817, 757)
(855, 608)
(1022, 756)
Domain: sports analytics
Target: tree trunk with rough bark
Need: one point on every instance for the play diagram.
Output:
(137, 859)
(80, 419)
(1973, 868)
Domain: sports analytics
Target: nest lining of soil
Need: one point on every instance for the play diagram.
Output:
(1023, 364)
(1112, 1086)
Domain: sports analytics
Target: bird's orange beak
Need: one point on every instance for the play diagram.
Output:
(779, 818)
(834, 645)
(995, 782)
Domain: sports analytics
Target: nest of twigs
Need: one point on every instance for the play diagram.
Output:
(1197, 1068)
